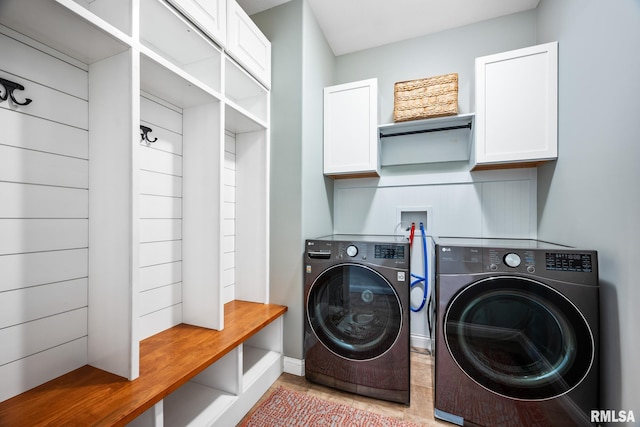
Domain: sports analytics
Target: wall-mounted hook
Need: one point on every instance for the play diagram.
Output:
(144, 134)
(9, 87)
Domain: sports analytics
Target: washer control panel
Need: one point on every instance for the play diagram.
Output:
(392, 254)
(512, 259)
(352, 250)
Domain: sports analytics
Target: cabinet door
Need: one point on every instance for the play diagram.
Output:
(247, 45)
(208, 15)
(517, 107)
(350, 129)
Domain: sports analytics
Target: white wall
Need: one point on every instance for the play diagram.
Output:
(589, 197)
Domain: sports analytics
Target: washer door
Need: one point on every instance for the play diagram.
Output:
(519, 338)
(354, 312)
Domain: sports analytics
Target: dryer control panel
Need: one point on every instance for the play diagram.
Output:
(561, 263)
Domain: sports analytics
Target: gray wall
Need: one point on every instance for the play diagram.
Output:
(589, 197)
(452, 51)
(319, 70)
(301, 197)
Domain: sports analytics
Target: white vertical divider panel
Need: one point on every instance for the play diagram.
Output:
(252, 216)
(203, 157)
(114, 115)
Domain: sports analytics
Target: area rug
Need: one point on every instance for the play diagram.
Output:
(289, 408)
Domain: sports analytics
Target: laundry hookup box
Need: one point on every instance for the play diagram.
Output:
(425, 98)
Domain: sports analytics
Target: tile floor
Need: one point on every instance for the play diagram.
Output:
(419, 412)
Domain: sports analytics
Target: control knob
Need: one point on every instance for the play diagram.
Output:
(512, 260)
(352, 251)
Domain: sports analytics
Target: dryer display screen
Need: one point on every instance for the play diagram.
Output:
(390, 251)
(565, 261)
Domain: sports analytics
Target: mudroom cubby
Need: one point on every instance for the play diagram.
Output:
(165, 115)
(165, 32)
(231, 385)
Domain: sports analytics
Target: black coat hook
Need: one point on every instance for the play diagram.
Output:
(144, 134)
(9, 87)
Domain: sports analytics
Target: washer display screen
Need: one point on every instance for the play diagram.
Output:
(389, 251)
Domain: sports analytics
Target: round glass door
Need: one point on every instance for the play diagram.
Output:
(354, 312)
(518, 338)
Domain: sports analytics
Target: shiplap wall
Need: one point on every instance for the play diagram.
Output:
(43, 219)
(484, 204)
(229, 218)
(160, 218)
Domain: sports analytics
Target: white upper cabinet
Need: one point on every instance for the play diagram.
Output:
(351, 130)
(209, 15)
(517, 108)
(247, 45)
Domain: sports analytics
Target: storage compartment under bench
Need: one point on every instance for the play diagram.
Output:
(204, 373)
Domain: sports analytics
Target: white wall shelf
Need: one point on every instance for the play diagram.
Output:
(239, 120)
(245, 91)
(441, 139)
(165, 31)
(172, 84)
(117, 13)
(80, 26)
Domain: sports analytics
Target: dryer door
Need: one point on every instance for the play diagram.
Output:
(354, 312)
(518, 338)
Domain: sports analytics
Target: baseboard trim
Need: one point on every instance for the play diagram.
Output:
(420, 341)
(294, 366)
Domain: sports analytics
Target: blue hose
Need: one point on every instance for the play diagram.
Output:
(420, 279)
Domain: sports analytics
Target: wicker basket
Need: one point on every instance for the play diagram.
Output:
(426, 98)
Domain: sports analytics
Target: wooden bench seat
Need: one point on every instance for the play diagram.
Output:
(91, 397)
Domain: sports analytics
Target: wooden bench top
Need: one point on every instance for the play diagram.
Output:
(91, 397)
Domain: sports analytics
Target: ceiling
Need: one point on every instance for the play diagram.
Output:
(353, 25)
